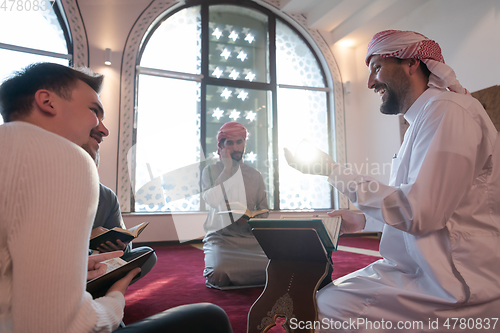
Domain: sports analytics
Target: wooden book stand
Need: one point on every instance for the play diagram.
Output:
(298, 263)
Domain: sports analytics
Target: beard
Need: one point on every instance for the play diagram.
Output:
(396, 92)
(391, 105)
(237, 155)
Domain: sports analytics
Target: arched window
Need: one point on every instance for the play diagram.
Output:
(31, 31)
(210, 62)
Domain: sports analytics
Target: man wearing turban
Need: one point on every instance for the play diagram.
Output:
(440, 243)
(233, 257)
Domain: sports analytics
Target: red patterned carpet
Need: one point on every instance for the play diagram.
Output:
(177, 279)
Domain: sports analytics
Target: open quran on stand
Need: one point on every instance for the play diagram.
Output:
(327, 227)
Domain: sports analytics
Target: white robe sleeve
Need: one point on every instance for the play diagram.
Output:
(441, 171)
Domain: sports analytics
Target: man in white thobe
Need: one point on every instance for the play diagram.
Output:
(441, 240)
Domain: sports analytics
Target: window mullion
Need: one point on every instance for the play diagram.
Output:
(168, 74)
(326, 89)
(238, 83)
(35, 51)
(203, 88)
(273, 80)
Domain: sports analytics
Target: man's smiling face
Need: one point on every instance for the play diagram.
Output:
(96, 135)
(389, 80)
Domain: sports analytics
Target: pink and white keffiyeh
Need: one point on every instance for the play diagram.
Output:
(229, 130)
(409, 44)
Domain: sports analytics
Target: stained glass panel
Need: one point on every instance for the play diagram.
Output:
(302, 114)
(238, 44)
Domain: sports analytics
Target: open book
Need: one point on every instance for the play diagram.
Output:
(239, 210)
(117, 268)
(327, 227)
(125, 235)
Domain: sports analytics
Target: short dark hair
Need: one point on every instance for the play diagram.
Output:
(17, 93)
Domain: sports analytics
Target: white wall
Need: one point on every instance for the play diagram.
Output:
(468, 32)
(107, 24)
(469, 35)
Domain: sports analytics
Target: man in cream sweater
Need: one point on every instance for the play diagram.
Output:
(48, 199)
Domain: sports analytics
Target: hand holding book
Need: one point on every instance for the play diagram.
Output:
(96, 267)
(119, 274)
(109, 246)
(122, 284)
(117, 236)
(240, 213)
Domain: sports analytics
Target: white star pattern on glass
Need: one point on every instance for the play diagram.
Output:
(251, 116)
(251, 157)
(250, 38)
(242, 56)
(250, 76)
(226, 93)
(234, 115)
(242, 95)
(217, 72)
(234, 36)
(226, 54)
(217, 33)
(234, 74)
(218, 113)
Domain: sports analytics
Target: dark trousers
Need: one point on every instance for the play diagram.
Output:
(190, 318)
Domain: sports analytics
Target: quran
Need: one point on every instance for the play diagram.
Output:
(117, 268)
(238, 210)
(327, 227)
(125, 235)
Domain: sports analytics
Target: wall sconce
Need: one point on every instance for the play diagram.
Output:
(347, 87)
(107, 57)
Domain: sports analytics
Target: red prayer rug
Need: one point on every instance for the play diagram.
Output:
(177, 279)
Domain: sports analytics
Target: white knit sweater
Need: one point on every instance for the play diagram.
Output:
(48, 198)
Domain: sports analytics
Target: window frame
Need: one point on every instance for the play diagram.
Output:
(61, 19)
(67, 37)
(157, 12)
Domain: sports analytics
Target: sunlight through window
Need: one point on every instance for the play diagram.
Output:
(181, 107)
